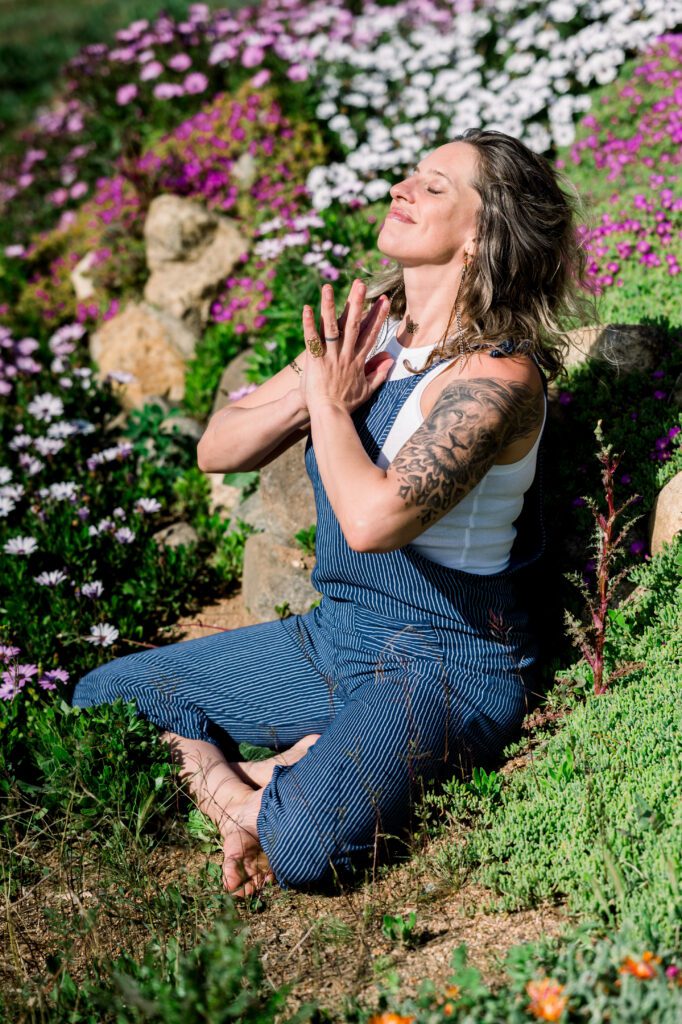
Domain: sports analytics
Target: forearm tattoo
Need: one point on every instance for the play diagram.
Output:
(458, 442)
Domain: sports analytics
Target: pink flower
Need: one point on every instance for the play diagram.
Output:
(195, 83)
(151, 70)
(167, 91)
(125, 94)
(180, 62)
(78, 189)
(252, 56)
(260, 78)
(297, 73)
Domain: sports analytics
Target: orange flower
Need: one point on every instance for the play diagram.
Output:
(448, 1009)
(644, 968)
(390, 1018)
(546, 1000)
(452, 991)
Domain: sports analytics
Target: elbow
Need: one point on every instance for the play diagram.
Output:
(363, 537)
(204, 460)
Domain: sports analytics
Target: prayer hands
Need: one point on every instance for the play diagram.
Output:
(338, 372)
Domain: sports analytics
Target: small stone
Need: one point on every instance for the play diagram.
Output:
(176, 534)
(666, 517)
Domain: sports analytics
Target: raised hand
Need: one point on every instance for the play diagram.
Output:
(338, 372)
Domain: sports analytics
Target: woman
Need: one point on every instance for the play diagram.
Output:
(420, 656)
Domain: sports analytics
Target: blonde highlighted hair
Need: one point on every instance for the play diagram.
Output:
(526, 282)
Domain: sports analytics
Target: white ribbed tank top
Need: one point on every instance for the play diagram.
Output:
(477, 534)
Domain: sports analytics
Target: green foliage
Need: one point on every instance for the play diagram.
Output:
(583, 978)
(592, 820)
(400, 929)
(217, 347)
(306, 539)
(219, 981)
(73, 766)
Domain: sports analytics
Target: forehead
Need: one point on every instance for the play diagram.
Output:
(456, 159)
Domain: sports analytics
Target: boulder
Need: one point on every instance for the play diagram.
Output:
(186, 426)
(176, 229)
(252, 512)
(176, 534)
(190, 252)
(224, 497)
(276, 574)
(233, 378)
(666, 516)
(148, 344)
(287, 495)
(624, 347)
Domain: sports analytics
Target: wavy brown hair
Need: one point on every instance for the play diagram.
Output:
(526, 281)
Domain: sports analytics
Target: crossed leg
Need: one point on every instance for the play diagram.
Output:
(230, 795)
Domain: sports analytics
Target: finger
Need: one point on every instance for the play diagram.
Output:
(356, 288)
(312, 339)
(330, 327)
(373, 323)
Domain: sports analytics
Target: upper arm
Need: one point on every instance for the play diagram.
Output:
(471, 422)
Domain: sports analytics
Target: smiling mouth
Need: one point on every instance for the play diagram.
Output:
(397, 216)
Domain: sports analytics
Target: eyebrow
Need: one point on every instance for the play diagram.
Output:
(432, 170)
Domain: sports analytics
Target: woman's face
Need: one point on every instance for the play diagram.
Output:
(442, 206)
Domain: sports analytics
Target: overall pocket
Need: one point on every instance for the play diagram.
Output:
(393, 640)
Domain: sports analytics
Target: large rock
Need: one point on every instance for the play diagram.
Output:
(624, 347)
(148, 344)
(224, 498)
(287, 494)
(233, 378)
(666, 515)
(190, 252)
(276, 574)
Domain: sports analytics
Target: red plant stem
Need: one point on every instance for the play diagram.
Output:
(599, 614)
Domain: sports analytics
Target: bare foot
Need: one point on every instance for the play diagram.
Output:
(259, 773)
(245, 865)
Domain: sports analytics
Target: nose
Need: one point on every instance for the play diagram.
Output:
(401, 189)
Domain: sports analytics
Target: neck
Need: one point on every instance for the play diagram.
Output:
(429, 293)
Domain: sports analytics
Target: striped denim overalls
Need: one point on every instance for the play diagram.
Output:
(408, 670)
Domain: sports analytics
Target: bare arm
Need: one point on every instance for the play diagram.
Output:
(253, 431)
(470, 425)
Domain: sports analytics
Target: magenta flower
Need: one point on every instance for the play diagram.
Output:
(297, 73)
(195, 83)
(49, 679)
(180, 62)
(151, 70)
(167, 91)
(125, 94)
(261, 78)
(252, 56)
(7, 651)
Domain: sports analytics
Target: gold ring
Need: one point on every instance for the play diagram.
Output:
(315, 346)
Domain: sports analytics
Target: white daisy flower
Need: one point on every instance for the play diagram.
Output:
(20, 546)
(46, 406)
(102, 635)
(51, 579)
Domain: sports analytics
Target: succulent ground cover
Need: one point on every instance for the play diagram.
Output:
(329, 105)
